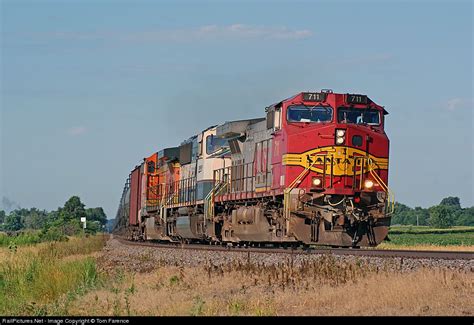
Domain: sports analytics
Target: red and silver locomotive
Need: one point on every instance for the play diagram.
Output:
(313, 171)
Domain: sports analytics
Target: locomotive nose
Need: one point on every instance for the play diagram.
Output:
(357, 138)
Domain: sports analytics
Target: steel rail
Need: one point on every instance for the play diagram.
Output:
(367, 252)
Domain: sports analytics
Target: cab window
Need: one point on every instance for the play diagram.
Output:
(151, 167)
(213, 144)
(311, 114)
(358, 116)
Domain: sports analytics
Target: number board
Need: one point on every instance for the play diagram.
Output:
(314, 97)
(356, 99)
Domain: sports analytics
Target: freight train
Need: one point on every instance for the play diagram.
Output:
(313, 171)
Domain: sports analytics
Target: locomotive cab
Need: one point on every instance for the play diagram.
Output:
(335, 147)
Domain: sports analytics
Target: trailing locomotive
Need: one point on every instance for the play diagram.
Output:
(313, 171)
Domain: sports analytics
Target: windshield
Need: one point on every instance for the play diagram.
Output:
(213, 144)
(358, 116)
(302, 113)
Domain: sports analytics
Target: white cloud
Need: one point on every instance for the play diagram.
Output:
(233, 31)
(208, 29)
(454, 103)
(76, 131)
(207, 32)
(367, 59)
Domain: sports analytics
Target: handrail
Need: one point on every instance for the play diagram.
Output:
(291, 186)
(209, 198)
(390, 194)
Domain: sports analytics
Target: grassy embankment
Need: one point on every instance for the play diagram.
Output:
(43, 279)
(62, 278)
(422, 237)
(320, 287)
(30, 238)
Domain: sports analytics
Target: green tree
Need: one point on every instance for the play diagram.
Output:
(402, 214)
(441, 216)
(13, 222)
(465, 217)
(421, 215)
(35, 219)
(53, 217)
(73, 210)
(93, 227)
(96, 214)
(451, 201)
(68, 218)
(2, 216)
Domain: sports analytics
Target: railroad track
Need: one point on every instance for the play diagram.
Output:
(442, 255)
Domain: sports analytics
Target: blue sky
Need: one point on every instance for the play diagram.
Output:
(88, 88)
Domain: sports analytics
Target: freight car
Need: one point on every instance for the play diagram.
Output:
(313, 171)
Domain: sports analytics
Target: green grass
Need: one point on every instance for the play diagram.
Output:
(21, 239)
(429, 230)
(44, 280)
(422, 235)
(432, 239)
(31, 237)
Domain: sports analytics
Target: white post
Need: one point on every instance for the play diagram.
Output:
(83, 220)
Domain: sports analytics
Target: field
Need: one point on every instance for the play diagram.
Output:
(80, 277)
(422, 237)
(151, 282)
(251, 290)
(43, 279)
(30, 238)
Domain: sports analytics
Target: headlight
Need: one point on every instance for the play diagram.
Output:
(316, 181)
(368, 184)
(340, 136)
(339, 140)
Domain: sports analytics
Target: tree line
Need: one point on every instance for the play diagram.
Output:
(444, 215)
(65, 221)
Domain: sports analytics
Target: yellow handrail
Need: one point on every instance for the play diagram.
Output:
(390, 194)
(209, 198)
(291, 186)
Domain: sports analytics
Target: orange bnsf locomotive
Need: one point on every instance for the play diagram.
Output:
(313, 171)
